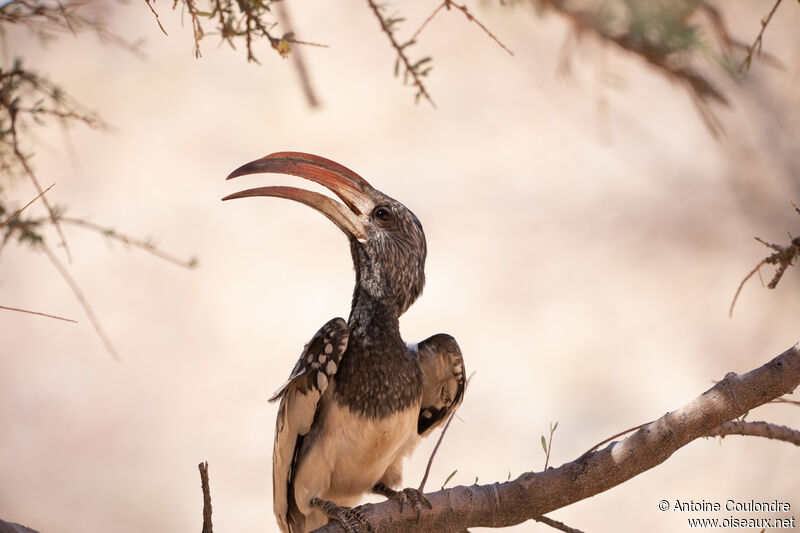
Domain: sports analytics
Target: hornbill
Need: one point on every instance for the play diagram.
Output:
(359, 398)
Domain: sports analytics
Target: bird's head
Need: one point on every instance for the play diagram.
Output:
(386, 239)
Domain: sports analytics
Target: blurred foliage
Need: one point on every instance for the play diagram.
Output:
(676, 37)
(235, 21)
(29, 100)
(679, 38)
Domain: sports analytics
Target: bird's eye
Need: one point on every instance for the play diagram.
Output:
(382, 214)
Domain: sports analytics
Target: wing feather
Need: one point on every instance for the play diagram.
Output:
(299, 399)
(442, 365)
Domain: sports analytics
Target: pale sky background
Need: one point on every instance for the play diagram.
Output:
(586, 235)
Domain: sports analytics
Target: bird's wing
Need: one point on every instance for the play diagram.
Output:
(443, 367)
(300, 397)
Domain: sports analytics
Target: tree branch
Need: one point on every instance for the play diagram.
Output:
(414, 71)
(534, 494)
(147, 246)
(757, 429)
(208, 527)
(470, 17)
(18, 310)
(81, 299)
(26, 206)
(784, 257)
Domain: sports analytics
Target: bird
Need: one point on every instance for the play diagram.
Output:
(359, 398)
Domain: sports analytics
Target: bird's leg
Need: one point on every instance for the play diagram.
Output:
(416, 497)
(351, 518)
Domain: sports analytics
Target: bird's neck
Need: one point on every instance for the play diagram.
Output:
(371, 315)
(393, 285)
(377, 375)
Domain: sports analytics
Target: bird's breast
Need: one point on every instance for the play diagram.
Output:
(378, 381)
(361, 449)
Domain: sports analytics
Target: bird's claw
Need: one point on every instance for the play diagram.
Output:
(352, 519)
(414, 496)
(417, 499)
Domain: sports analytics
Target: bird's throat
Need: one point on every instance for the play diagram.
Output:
(377, 375)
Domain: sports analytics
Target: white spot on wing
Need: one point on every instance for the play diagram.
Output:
(330, 369)
(322, 381)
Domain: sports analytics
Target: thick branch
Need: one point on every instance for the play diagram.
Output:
(535, 494)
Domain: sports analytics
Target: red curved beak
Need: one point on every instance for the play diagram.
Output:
(351, 188)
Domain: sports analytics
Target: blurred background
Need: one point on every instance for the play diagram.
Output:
(586, 234)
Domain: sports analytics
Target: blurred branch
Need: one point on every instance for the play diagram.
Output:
(27, 230)
(81, 299)
(784, 257)
(660, 33)
(46, 18)
(297, 57)
(534, 494)
(25, 96)
(147, 246)
(29, 100)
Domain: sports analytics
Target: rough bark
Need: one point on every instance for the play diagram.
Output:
(535, 494)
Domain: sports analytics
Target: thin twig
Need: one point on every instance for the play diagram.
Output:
(158, 20)
(728, 42)
(739, 289)
(38, 313)
(612, 437)
(439, 442)
(410, 70)
(15, 215)
(557, 525)
(433, 453)
(197, 30)
(427, 20)
(549, 444)
(82, 299)
(796, 403)
(783, 257)
(757, 429)
(470, 17)
(207, 526)
(759, 38)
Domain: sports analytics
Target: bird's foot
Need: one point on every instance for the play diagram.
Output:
(415, 497)
(351, 518)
